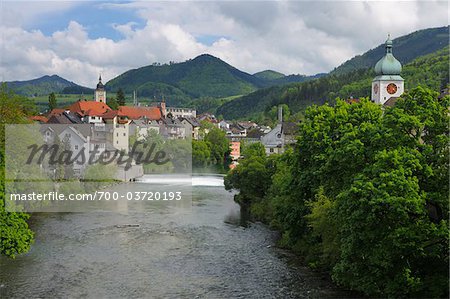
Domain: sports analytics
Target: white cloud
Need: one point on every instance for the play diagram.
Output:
(291, 37)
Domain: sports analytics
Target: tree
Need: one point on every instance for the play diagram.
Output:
(120, 97)
(15, 235)
(52, 101)
(219, 145)
(112, 102)
(200, 153)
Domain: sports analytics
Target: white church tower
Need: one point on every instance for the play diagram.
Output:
(100, 92)
(388, 83)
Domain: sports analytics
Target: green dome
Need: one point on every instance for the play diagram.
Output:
(388, 65)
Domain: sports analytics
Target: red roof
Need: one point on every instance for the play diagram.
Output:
(110, 114)
(39, 118)
(56, 111)
(89, 108)
(152, 113)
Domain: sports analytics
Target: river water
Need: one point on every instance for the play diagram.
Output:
(159, 251)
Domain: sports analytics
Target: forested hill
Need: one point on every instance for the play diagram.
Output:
(45, 85)
(406, 48)
(203, 76)
(269, 75)
(430, 70)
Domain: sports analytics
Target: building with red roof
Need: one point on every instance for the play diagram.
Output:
(129, 112)
(89, 108)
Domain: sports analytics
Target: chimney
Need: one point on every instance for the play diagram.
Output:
(280, 114)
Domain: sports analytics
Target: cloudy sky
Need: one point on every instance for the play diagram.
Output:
(78, 40)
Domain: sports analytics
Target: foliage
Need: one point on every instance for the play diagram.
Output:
(218, 144)
(51, 101)
(120, 97)
(15, 235)
(251, 177)
(201, 153)
(112, 103)
(363, 194)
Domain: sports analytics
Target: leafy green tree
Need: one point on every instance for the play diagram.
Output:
(251, 177)
(15, 235)
(52, 101)
(219, 145)
(200, 153)
(120, 97)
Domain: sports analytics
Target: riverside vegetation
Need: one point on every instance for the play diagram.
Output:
(362, 194)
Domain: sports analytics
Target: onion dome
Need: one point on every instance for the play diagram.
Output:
(388, 65)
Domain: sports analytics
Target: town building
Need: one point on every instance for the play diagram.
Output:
(181, 112)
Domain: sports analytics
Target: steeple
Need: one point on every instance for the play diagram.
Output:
(388, 65)
(100, 85)
(100, 92)
(388, 84)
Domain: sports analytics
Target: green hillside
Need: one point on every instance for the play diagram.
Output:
(406, 49)
(204, 76)
(430, 70)
(45, 85)
(269, 75)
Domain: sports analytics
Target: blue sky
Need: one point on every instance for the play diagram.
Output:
(78, 40)
(97, 19)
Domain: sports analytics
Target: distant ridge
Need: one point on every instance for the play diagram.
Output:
(46, 85)
(406, 49)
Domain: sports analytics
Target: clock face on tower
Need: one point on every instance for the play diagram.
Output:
(375, 88)
(391, 88)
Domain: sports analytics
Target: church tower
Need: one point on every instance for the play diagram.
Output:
(100, 92)
(388, 83)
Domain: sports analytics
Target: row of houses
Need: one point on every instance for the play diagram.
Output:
(112, 129)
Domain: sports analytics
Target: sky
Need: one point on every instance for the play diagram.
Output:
(79, 40)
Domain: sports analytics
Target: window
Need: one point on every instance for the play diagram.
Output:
(117, 134)
(124, 134)
(76, 147)
(271, 150)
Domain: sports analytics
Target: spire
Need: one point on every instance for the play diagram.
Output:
(100, 85)
(388, 65)
(388, 44)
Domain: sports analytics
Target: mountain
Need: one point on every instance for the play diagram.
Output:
(45, 85)
(205, 76)
(406, 49)
(269, 75)
(430, 70)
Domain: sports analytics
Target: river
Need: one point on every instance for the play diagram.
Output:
(167, 252)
